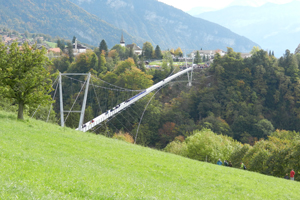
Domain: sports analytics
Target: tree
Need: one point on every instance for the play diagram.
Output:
(158, 53)
(73, 40)
(178, 52)
(121, 51)
(70, 52)
(103, 46)
(102, 63)
(23, 76)
(61, 44)
(197, 59)
(147, 50)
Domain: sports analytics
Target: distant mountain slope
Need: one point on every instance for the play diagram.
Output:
(165, 25)
(274, 27)
(58, 18)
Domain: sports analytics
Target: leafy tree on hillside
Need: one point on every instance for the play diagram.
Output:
(147, 50)
(197, 58)
(121, 51)
(102, 63)
(178, 52)
(23, 76)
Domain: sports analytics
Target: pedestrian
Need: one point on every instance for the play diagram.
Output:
(230, 164)
(243, 166)
(225, 163)
(286, 176)
(219, 162)
(292, 174)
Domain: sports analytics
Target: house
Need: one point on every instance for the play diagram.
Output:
(78, 48)
(246, 55)
(136, 49)
(208, 53)
(54, 50)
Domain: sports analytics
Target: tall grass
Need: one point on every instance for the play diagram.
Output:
(45, 161)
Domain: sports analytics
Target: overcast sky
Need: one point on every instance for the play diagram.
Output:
(187, 5)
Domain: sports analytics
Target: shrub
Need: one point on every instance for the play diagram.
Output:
(124, 137)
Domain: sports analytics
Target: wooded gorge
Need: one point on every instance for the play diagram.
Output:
(246, 99)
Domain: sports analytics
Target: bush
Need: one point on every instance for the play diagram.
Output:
(204, 145)
(124, 137)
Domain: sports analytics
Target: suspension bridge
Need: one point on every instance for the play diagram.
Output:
(110, 113)
(118, 108)
(111, 110)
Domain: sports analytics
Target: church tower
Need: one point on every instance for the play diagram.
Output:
(122, 42)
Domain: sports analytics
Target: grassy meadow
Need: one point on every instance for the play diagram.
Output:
(51, 44)
(45, 161)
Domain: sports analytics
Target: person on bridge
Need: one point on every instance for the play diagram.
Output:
(219, 162)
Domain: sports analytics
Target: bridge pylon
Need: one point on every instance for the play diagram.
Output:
(62, 111)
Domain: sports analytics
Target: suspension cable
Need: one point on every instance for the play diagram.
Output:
(75, 100)
(52, 103)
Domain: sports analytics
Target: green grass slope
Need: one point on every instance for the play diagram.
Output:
(45, 161)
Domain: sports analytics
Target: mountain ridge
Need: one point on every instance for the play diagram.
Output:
(59, 18)
(264, 25)
(165, 25)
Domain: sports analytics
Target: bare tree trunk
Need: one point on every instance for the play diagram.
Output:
(20, 111)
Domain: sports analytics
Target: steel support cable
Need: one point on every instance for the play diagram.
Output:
(113, 89)
(130, 114)
(126, 119)
(146, 109)
(98, 100)
(52, 103)
(75, 100)
(40, 104)
(115, 85)
(134, 111)
(122, 124)
(106, 122)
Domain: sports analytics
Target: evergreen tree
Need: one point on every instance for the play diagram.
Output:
(61, 44)
(158, 53)
(103, 46)
(70, 52)
(73, 40)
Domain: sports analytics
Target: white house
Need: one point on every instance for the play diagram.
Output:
(136, 49)
(78, 48)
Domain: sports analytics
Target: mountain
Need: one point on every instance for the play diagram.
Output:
(58, 18)
(165, 25)
(198, 10)
(274, 27)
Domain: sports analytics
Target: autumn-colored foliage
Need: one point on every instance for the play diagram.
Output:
(124, 137)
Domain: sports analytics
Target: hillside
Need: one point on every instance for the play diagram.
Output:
(165, 25)
(58, 18)
(45, 161)
(273, 26)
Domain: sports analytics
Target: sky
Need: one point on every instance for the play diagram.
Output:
(187, 5)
